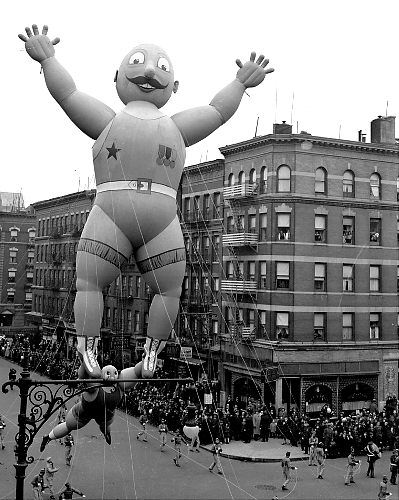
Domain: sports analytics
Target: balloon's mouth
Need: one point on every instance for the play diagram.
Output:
(146, 84)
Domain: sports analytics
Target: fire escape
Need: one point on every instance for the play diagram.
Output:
(235, 287)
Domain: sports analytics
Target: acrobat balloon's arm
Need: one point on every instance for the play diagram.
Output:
(197, 123)
(86, 112)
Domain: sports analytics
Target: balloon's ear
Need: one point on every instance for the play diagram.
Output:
(116, 76)
(175, 86)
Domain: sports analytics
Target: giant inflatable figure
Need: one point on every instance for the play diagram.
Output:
(138, 159)
(96, 403)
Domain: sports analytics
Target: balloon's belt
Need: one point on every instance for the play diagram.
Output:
(141, 185)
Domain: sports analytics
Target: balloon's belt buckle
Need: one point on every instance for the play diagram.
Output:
(141, 185)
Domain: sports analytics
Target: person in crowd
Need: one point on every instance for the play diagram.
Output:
(68, 491)
(394, 465)
(313, 441)
(373, 454)
(320, 459)
(2, 430)
(287, 467)
(216, 451)
(256, 421)
(163, 430)
(68, 443)
(383, 491)
(143, 421)
(264, 425)
(352, 462)
(177, 441)
(38, 485)
(12, 376)
(49, 476)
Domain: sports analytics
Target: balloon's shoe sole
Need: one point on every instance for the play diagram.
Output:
(89, 358)
(151, 349)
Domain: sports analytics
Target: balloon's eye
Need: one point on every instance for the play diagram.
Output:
(137, 58)
(163, 63)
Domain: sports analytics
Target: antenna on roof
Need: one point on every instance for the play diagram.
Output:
(339, 132)
(256, 128)
(386, 110)
(275, 109)
(292, 105)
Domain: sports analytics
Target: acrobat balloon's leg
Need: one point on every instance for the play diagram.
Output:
(102, 250)
(162, 263)
(74, 420)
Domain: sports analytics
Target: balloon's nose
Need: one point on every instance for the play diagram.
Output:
(149, 71)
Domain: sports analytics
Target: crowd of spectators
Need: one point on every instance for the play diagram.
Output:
(236, 420)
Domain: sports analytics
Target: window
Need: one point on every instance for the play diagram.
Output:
(14, 233)
(319, 326)
(11, 275)
(282, 325)
(215, 327)
(375, 320)
(186, 209)
(13, 255)
(397, 229)
(320, 185)
(375, 231)
(136, 321)
(29, 277)
(240, 223)
(216, 284)
(397, 189)
(241, 178)
(262, 227)
(207, 206)
(263, 276)
(282, 275)
(320, 277)
(230, 224)
(216, 245)
(251, 271)
(375, 278)
(263, 180)
(129, 321)
(283, 227)
(31, 256)
(28, 296)
(231, 180)
(348, 231)
(252, 223)
(230, 270)
(262, 319)
(347, 277)
(375, 186)
(10, 295)
(348, 184)
(216, 205)
(320, 228)
(252, 176)
(397, 279)
(347, 326)
(283, 179)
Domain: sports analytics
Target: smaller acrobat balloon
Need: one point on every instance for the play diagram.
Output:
(109, 372)
(191, 428)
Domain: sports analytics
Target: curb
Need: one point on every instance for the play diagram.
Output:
(255, 459)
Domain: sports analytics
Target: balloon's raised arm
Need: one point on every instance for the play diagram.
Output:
(89, 114)
(197, 123)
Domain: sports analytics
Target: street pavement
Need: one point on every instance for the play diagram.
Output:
(132, 469)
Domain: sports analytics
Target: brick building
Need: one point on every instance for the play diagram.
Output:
(17, 234)
(310, 268)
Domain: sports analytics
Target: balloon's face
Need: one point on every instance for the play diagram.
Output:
(146, 74)
(109, 372)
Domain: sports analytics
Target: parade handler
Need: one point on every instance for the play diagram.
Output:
(96, 403)
(138, 157)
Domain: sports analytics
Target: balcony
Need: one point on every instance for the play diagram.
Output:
(239, 191)
(247, 287)
(240, 239)
(242, 332)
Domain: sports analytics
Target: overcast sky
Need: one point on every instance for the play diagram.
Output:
(336, 67)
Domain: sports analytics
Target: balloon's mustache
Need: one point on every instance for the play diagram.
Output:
(141, 80)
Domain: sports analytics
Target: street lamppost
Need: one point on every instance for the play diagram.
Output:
(44, 398)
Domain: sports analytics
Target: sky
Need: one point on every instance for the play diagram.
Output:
(336, 69)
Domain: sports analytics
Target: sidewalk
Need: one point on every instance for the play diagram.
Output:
(257, 451)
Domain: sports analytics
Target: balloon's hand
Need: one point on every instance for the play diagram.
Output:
(252, 73)
(39, 47)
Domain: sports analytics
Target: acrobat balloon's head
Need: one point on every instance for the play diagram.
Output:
(146, 74)
(109, 372)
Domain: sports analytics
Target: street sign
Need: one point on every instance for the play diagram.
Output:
(186, 352)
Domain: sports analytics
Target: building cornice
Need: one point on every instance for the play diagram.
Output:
(68, 198)
(272, 139)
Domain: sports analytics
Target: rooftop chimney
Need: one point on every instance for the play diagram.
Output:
(282, 128)
(383, 130)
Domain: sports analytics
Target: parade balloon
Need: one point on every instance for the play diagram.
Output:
(138, 157)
